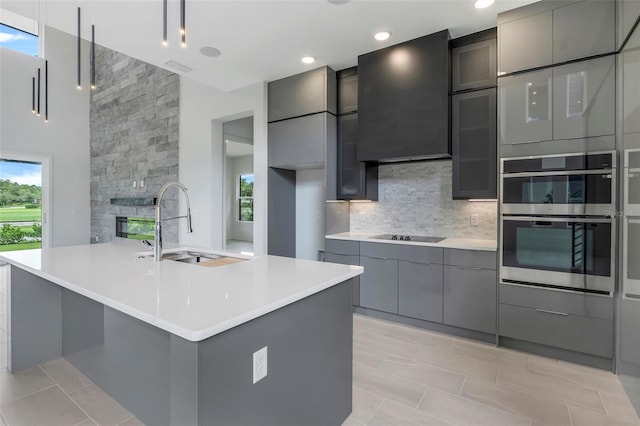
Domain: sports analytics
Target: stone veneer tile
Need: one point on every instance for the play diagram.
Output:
(415, 198)
(134, 118)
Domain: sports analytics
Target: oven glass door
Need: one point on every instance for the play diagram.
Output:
(632, 183)
(565, 252)
(583, 193)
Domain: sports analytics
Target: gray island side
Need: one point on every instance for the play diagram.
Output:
(153, 356)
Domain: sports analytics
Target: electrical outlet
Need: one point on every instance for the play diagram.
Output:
(259, 365)
(474, 220)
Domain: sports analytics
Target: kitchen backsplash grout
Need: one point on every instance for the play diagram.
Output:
(415, 198)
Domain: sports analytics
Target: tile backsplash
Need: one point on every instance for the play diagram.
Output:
(415, 198)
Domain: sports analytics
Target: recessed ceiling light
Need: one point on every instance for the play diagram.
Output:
(308, 59)
(481, 4)
(210, 52)
(382, 35)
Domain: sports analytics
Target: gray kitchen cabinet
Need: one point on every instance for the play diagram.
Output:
(356, 180)
(573, 321)
(301, 94)
(379, 284)
(526, 107)
(628, 13)
(473, 66)
(420, 290)
(346, 259)
(300, 141)
(584, 29)
(525, 43)
(474, 144)
(584, 98)
(470, 282)
(347, 90)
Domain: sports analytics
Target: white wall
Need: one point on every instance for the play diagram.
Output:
(310, 201)
(202, 111)
(64, 139)
(237, 166)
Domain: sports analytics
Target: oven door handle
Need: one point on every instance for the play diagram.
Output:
(564, 314)
(605, 172)
(557, 219)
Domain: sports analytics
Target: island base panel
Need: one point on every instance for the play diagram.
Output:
(164, 379)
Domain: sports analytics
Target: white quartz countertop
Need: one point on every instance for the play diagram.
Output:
(454, 243)
(192, 301)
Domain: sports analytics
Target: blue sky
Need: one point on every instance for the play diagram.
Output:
(18, 40)
(23, 173)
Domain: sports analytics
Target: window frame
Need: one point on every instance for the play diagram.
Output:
(239, 199)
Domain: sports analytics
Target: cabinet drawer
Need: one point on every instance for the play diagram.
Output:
(343, 247)
(470, 258)
(470, 298)
(573, 332)
(558, 301)
(402, 252)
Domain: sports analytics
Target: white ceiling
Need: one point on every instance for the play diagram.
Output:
(260, 40)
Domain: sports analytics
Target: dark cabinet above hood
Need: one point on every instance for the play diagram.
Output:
(403, 101)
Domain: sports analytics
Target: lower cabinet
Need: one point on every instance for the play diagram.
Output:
(347, 259)
(379, 284)
(420, 290)
(573, 321)
(470, 282)
(470, 298)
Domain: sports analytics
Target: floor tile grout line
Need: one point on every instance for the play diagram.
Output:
(464, 382)
(126, 420)
(27, 395)
(69, 396)
(604, 406)
(422, 397)
(376, 410)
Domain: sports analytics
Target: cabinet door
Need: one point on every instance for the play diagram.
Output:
(297, 141)
(301, 94)
(470, 298)
(379, 284)
(474, 145)
(344, 259)
(583, 29)
(420, 290)
(474, 66)
(525, 43)
(584, 99)
(525, 107)
(348, 94)
(351, 172)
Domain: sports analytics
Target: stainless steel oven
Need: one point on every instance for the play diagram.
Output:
(571, 184)
(631, 224)
(570, 252)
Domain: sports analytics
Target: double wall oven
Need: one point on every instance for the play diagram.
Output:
(558, 221)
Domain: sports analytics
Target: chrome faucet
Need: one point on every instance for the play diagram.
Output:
(157, 248)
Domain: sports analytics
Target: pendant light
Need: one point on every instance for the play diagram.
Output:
(93, 57)
(46, 91)
(33, 95)
(165, 41)
(79, 47)
(38, 109)
(183, 29)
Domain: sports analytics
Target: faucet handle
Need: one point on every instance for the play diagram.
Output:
(147, 244)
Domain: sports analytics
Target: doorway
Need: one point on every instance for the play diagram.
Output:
(23, 201)
(239, 185)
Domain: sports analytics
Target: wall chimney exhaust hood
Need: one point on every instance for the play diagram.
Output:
(403, 101)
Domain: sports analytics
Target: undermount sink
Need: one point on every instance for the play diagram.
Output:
(198, 258)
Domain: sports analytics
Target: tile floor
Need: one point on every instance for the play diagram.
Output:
(401, 376)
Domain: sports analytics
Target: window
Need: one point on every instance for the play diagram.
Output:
(18, 40)
(135, 228)
(245, 198)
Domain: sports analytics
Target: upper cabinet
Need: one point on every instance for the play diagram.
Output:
(403, 101)
(474, 66)
(347, 90)
(525, 43)
(584, 29)
(552, 32)
(302, 94)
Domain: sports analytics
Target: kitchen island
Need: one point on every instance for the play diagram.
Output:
(174, 343)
